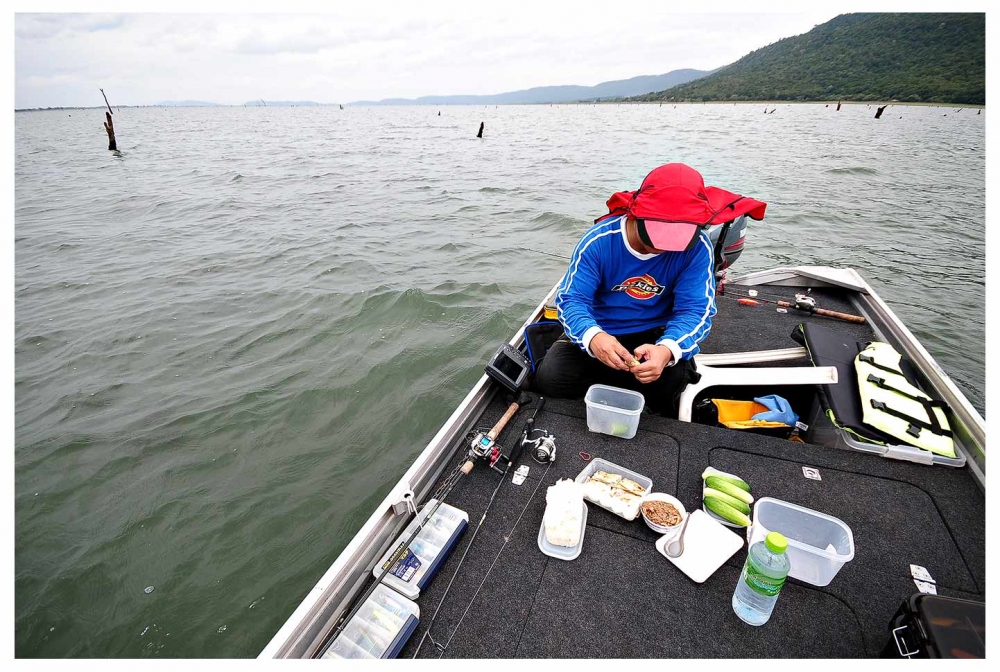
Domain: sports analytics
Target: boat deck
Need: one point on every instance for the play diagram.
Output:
(621, 598)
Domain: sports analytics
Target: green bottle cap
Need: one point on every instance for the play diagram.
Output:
(776, 542)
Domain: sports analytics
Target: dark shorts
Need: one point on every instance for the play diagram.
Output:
(567, 372)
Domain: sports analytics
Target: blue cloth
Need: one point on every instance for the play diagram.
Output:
(610, 287)
(780, 410)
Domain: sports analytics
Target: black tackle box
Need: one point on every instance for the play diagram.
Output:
(934, 626)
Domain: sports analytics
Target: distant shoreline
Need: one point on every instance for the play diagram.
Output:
(592, 102)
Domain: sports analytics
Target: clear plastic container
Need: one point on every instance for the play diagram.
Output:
(598, 464)
(818, 544)
(614, 411)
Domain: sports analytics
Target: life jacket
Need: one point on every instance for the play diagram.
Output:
(675, 192)
(893, 405)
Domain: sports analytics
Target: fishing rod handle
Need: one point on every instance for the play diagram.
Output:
(467, 467)
(502, 422)
(857, 319)
(538, 409)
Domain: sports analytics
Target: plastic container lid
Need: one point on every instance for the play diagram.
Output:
(776, 542)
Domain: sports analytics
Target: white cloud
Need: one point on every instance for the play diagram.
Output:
(363, 52)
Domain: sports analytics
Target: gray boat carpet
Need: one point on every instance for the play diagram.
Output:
(620, 598)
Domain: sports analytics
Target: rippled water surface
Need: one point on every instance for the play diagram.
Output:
(233, 338)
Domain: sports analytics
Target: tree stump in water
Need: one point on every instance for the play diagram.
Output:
(109, 125)
(880, 110)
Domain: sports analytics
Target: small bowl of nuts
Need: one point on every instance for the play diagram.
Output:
(663, 513)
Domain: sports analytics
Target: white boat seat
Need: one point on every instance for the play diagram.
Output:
(753, 357)
(712, 376)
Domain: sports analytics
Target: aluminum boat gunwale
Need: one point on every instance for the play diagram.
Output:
(306, 630)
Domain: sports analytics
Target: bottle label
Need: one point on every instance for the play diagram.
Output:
(760, 583)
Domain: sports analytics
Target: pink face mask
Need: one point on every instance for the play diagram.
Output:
(668, 236)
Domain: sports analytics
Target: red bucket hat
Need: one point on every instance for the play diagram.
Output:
(673, 204)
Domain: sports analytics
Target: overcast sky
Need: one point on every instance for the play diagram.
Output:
(371, 51)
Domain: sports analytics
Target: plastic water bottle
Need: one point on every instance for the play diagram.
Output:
(763, 575)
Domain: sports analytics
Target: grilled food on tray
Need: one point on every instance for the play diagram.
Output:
(614, 492)
(605, 477)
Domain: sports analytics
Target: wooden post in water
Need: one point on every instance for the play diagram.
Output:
(878, 113)
(109, 125)
(838, 106)
(482, 125)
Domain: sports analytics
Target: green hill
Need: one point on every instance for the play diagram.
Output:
(936, 58)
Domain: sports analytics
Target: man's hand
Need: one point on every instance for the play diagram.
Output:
(606, 348)
(654, 359)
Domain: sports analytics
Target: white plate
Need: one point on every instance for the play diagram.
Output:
(707, 545)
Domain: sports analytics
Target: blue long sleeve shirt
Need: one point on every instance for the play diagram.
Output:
(610, 287)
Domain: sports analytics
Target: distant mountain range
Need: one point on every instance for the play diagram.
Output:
(934, 58)
(558, 94)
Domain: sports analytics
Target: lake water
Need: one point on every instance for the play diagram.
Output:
(232, 339)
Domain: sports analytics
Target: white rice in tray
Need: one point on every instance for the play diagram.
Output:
(563, 513)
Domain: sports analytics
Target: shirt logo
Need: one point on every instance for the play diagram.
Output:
(643, 287)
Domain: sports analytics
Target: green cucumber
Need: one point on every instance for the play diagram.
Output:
(721, 485)
(738, 482)
(737, 504)
(727, 512)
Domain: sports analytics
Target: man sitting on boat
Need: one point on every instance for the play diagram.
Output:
(639, 294)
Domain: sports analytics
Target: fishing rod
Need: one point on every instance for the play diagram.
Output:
(803, 302)
(482, 442)
(515, 453)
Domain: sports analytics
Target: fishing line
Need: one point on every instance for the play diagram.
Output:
(514, 455)
(550, 254)
(506, 541)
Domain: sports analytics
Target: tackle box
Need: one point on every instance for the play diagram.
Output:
(414, 567)
(934, 626)
(380, 628)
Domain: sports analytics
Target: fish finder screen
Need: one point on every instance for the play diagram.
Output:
(507, 366)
